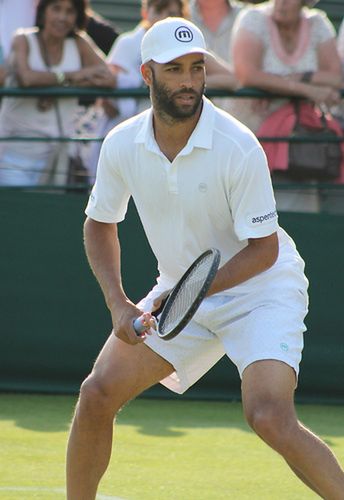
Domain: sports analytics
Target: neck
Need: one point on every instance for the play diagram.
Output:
(171, 134)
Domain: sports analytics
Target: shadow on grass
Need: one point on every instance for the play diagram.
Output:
(158, 417)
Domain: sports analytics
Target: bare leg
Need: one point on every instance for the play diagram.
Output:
(268, 400)
(121, 373)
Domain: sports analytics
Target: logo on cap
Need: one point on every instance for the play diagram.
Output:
(183, 34)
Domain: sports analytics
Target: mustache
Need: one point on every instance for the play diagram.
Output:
(185, 91)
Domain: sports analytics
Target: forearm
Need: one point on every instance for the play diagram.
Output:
(274, 83)
(258, 256)
(326, 78)
(103, 254)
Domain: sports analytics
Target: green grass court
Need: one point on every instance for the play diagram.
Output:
(165, 450)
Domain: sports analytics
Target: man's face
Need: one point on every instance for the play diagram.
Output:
(178, 86)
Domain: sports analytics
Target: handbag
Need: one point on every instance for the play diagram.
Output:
(314, 160)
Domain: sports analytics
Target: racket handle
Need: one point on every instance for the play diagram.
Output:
(139, 325)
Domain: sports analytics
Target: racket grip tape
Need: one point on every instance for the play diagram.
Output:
(140, 326)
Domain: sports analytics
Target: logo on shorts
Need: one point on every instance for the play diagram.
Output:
(183, 34)
(284, 346)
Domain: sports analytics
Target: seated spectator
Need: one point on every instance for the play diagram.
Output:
(53, 53)
(287, 48)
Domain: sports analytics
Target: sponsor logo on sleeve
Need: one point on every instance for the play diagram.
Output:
(260, 219)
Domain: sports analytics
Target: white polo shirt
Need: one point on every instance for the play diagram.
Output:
(217, 192)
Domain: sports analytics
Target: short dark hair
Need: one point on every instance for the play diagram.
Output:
(79, 5)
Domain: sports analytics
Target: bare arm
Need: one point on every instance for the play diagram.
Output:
(258, 256)
(247, 58)
(103, 252)
(219, 74)
(95, 72)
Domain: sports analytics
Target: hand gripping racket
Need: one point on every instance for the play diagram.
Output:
(186, 297)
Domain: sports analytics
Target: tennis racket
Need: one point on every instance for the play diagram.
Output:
(186, 297)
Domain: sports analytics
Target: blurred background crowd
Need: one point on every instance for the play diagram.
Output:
(289, 48)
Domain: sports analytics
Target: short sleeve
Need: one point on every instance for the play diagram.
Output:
(323, 29)
(126, 51)
(252, 199)
(109, 198)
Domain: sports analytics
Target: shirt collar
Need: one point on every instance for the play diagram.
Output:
(201, 137)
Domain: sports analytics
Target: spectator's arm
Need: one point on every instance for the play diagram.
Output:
(25, 75)
(247, 60)
(219, 74)
(95, 71)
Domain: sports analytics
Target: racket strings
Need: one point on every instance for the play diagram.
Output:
(187, 294)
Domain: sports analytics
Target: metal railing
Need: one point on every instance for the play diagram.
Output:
(72, 92)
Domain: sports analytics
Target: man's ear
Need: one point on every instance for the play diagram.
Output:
(146, 72)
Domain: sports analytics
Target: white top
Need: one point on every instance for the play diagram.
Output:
(126, 53)
(20, 115)
(14, 14)
(216, 193)
(315, 29)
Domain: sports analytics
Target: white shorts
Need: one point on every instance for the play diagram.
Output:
(249, 327)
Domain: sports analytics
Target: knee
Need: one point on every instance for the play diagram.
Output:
(274, 424)
(96, 398)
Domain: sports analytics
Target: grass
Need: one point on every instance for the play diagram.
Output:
(164, 450)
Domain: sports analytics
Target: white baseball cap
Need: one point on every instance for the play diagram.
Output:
(171, 38)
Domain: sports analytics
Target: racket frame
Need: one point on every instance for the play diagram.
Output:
(197, 301)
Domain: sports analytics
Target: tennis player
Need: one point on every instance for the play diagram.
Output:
(199, 179)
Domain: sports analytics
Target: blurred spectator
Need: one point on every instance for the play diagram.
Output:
(215, 18)
(102, 31)
(103, 34)
(287, 48)
(14, 14)
(53, 53)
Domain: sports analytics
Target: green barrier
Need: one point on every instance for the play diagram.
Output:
(53, 317)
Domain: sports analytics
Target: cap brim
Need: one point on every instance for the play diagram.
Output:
(170, 55)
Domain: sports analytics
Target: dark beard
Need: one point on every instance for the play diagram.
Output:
(164, 103)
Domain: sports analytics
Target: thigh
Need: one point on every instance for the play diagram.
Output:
(268, 382)
(124, 370)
